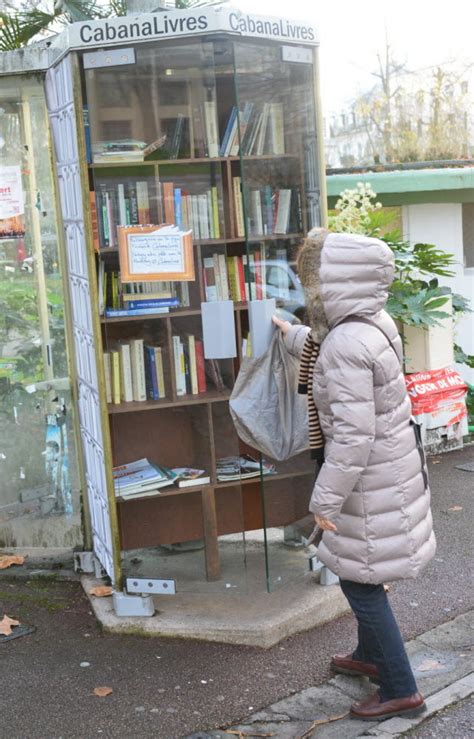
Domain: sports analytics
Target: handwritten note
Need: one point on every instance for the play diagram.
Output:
(151, 253)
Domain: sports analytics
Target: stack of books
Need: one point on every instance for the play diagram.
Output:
(187, 477)
(117, 299)
(241, 468)
(256, 130)
(134, 371)
(122, 150)
(140, 478)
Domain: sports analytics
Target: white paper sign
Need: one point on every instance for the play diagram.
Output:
(11, 193)
(150, 253)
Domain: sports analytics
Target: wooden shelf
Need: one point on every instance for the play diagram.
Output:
(166, 492)
(214, 242)
(190, 160)
(213, 396)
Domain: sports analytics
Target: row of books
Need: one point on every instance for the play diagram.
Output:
(128, 204)
(255, 130)
(237, 278)
(270, 210)
(197, 213)
(134, 371)
(191, 369)
(117, 299)
(142, 478)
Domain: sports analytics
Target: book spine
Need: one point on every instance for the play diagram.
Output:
(210, 217)
(168, 202)
(116, 390)
(239, 214)
(185, 368)
(153, 303)
(245, 264)
(111, 220)
(233, 282)
(124, 312)
(143, 203)
(104, 219)
(228, 129)
(121, 205)
(178, 366)
(200, 366)
(210, 279)
(193, 364)
(138, 369)
(215, 262)
(87, 133)
(160, 371)
(108, 377)
(253, 290)
(223, 276)
(241, 276)
(203, 216)
(215, 212)
(150, 373)
(267, 209)
(258, 276)
(133, 205)
(126, 373)
(177, 207)
(211, 128)
(94, 221)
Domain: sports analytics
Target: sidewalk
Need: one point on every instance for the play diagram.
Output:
(442, 660)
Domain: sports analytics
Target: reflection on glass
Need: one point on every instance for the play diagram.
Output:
(39, 494)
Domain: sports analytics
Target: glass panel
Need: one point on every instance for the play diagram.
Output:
(168, 403)
(276, 202)
(40, 491)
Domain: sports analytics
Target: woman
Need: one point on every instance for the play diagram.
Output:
(371, 496)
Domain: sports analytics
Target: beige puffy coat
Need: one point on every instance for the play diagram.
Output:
(371, 484)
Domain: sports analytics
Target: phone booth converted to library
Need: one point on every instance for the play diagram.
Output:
(188, 156)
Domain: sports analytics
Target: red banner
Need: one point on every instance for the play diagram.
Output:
(438, 391)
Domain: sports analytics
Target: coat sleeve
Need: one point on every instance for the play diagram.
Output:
(295, 338)
(350, 393)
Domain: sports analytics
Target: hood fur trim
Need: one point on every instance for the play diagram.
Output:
(309, 263)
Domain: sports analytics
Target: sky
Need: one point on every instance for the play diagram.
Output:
(351, 33)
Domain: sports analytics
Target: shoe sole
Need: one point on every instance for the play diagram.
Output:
(355, 673)
(408, 713)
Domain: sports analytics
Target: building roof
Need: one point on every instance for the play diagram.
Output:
(426, 182)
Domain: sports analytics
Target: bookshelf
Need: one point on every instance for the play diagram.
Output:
(218, 136)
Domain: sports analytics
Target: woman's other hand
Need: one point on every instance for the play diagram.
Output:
(282, 325)
(324, 524)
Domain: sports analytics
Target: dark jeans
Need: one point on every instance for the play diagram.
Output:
(380, 641)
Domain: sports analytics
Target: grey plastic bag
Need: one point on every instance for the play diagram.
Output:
(267, 412)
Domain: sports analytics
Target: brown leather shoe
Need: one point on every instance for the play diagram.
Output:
(348, 666)
(373, 709)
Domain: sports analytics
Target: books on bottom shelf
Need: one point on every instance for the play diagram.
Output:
(187, 477)
(134, 371)
(140, 478)
(242, 467)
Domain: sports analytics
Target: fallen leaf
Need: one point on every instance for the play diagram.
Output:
(386, 588)
(6, 625)
(103, 692)
(455, 508)
(436, 461)
(430, 664)
(101, 591)
(8, 560)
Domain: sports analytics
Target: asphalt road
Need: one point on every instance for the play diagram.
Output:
(169, 688)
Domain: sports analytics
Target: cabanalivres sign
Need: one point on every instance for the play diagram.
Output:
(149, 26)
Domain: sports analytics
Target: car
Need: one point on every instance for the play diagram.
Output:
(283, 284)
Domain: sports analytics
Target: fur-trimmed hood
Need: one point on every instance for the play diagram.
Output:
(343, 275)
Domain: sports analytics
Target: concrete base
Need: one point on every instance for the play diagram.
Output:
(254, 619)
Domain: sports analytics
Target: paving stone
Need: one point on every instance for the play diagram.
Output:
(456, 634)
(357, 688)
(453, 667)
(314, 703)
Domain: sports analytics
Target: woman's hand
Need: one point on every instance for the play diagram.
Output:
(324, 524)
(282, 325)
